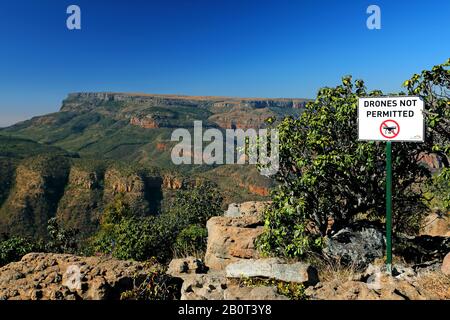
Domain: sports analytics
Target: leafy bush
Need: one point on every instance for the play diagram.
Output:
(326, 174)
(61, 240)
(292, 290)
(156, 286)
(191, 240)
(13, 249)
(128, 237)
(433, 86)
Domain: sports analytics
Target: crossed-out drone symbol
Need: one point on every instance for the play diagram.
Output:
(389, 129)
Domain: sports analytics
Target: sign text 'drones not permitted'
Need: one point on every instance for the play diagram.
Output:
(391, 119)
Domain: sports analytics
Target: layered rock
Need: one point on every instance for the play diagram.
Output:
(135, 189)
(231, 239)
(231, 256)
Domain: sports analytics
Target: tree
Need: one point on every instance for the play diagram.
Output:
(434, 88)
(326, 174)
(61, 240)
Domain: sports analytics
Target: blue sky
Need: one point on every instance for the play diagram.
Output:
(249, 48)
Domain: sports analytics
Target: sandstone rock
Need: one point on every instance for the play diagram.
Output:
(437, 224)
(209, 286)
(41, 276)
(233, 211)
(250, 293)
(445, 268)
(357, 246)
(250, 208)
(148, 122)
(298, 272)
(216, 286)
(350, 290)
(415, 286)
(231, 239)
(189, 265)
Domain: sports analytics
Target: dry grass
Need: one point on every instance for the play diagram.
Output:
(188, 252)
(436, 284)
(331, 270)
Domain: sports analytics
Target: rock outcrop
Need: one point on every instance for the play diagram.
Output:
(375, 284)
(437, 224)
(231, 256)
(38, 187)
(41, 276)
(146, 122)
(232, 237)
(249, 208)
(445, 268)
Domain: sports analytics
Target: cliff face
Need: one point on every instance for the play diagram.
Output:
(156, 111)
(38, 186)
(76, 192)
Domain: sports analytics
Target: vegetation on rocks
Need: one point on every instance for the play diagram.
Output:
(181, 227)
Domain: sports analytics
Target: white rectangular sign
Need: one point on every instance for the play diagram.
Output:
(391, 119)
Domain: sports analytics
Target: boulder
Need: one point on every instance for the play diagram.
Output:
(249, 208)
(45, 276)
(437, 224)
(253, 293)
(298, 272)
(445, 268)
(356, 246)
(231, 239)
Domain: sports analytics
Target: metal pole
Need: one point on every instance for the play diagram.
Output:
(389, 207)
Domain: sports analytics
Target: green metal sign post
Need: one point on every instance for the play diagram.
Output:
(389, 207)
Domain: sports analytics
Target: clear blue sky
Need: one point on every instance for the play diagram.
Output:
(210, 47)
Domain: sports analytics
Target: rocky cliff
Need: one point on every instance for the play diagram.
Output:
(40, 276)
(76, 192)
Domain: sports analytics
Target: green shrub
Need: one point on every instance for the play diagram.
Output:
(141, 238)
(191, 240)
(156, 286)
(13, 249)
(61, 240)
(292, 290)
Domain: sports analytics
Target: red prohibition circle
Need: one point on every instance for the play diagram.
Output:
(385, 124)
